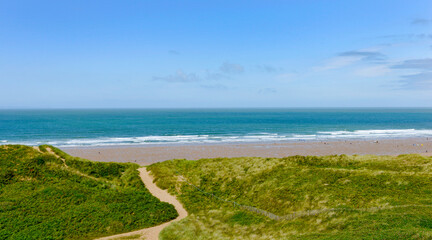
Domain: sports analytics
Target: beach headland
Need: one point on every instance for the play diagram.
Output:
(148, 154)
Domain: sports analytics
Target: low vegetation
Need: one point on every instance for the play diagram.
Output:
(372, 197)
(56, 196)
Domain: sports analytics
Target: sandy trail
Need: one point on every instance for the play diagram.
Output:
(152, 233)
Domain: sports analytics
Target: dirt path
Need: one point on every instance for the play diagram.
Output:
(50, 151)
(152, 233)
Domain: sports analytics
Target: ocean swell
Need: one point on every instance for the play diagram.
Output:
(248, 138)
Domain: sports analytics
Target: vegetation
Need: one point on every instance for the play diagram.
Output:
(56, 196)
(376, 197)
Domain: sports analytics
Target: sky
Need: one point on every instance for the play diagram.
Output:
(207, 54)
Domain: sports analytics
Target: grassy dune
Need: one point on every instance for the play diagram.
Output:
(42, 198)
(377, 197)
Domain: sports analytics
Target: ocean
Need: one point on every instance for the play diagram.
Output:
(106, 127)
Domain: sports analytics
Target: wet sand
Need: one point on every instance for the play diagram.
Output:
(145, 155)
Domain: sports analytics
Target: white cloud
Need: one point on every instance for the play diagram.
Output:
(173, 52)
(286, 77)
(268, 68)
(231, 68)
(424, 63)
(338, 62)
(421, 21)
(373, 71)
(179, 76)
(267, 91)
(350, 57)
(419, 81)
(215, 87)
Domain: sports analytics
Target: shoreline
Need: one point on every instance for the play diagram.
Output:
(148, 154)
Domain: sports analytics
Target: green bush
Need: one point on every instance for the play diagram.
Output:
(41, 198)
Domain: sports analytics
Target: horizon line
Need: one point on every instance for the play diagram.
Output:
(192, 108)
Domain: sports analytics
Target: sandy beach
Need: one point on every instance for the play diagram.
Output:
(145, 155)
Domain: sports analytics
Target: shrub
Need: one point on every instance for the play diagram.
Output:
(40, 198)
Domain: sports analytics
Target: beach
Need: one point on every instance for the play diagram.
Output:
(148, 154)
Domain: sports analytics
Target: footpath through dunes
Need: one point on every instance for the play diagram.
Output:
(152, 233)
(46, 193)
(163, 195)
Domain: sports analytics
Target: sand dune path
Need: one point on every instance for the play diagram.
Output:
(152, 233)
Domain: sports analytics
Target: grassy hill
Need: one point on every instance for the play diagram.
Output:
(56, 196)
(357, 197)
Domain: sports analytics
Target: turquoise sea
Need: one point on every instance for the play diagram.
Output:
(105, 127)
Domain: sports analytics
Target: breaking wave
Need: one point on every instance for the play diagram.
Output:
(248, 138)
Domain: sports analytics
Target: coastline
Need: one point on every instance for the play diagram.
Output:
(148, 154)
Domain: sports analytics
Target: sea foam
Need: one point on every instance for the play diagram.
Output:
(248, 138)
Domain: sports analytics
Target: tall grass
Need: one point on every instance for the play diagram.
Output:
(301, 183)
(41, 198)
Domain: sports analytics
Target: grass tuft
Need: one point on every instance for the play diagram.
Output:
(41, 198)
(367, 188)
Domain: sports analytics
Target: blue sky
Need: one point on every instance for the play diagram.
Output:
(306, 53)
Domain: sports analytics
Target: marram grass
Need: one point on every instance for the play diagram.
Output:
(41, 198)
(385, 197)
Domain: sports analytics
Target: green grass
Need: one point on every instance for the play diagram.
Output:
(285, 185)
(41, 198)
(135, 236)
